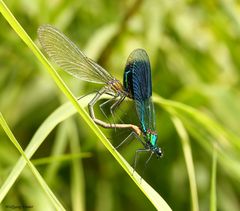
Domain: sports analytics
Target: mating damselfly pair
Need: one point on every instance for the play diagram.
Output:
(137, 84)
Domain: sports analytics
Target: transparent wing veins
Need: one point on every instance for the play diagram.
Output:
(69, 57)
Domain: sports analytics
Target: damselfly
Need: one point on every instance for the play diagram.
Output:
(72, 60)
(138, 84)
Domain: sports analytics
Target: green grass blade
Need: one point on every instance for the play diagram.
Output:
(35, 172)
(207, 132)
(59, 115)
(213, 191)
(60, 158)
(189, 161)
(78, 197)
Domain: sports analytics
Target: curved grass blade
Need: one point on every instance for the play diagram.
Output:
(59, 115)
(213, 191)
(207, 132)
(35, 172)
(188, 160)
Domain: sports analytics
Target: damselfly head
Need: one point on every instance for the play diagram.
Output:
(157, 150)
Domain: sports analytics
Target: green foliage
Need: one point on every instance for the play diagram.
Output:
(193, 48)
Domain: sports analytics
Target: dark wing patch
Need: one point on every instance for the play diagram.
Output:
(138, 82)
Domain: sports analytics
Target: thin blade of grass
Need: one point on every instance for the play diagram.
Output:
(60, 158)
(207, 132)
(189, 161)
(78, 194)
(59, 115)
(213, 191)
(35, 172)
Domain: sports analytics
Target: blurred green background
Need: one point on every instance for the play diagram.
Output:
(194, 52)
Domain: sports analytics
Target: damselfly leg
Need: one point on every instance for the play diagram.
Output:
(132, 134)
(117, 98)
